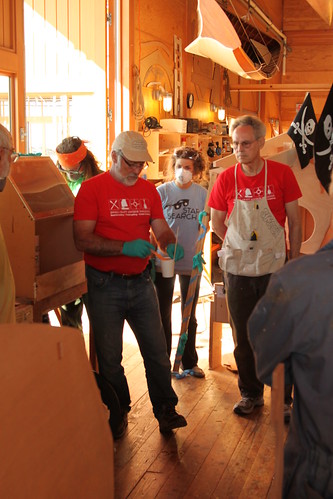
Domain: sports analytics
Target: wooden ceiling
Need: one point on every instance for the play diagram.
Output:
(324, 8)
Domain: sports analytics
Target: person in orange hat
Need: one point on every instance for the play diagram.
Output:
(77, 164)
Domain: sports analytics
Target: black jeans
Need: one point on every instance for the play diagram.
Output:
(243, 293)
(164, 287)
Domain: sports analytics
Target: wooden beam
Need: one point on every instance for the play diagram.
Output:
(324, 8)
(282, 87)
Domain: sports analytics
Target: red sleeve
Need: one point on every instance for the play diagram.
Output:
(291, 187)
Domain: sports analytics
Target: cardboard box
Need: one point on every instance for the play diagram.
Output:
(174, 125)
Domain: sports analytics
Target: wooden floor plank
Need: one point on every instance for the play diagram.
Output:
(218, 455)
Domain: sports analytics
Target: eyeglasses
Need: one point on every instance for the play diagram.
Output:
(69, 172)
(14, 156)
(246, 144)
(134, 164)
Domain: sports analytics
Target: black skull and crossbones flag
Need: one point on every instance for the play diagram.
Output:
(302, 131)
(323, 146)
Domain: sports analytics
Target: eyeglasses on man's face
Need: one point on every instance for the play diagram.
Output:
(246, 144)
(14, 156)
(134, 164)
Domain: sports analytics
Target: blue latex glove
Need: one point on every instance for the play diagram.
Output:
(138, 247)
(198, 262)
(179, 251)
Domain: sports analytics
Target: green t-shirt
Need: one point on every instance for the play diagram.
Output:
(75, 185)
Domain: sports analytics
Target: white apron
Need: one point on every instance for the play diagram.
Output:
(254, 243)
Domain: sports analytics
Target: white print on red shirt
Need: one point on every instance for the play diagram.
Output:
(248, 193)
(129, 207)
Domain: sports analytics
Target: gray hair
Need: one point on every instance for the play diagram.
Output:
(5, 137)
(258, 126)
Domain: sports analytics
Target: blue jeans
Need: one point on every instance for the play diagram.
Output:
(112, 300)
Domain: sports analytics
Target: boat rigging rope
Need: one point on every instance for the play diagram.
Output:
(259, 61)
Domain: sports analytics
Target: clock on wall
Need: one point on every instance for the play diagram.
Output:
(189, 100)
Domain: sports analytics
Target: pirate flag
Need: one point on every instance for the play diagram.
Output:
(323, 146)
(302, 131)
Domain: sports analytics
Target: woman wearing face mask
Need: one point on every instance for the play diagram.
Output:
(77, 164)
(182, 200)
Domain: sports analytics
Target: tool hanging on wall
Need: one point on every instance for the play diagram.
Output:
(138, 101)
(177, 77)
(196, 272)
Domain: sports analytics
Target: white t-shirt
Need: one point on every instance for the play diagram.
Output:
(181, 208)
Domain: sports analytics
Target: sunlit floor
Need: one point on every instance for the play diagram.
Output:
(203, 318)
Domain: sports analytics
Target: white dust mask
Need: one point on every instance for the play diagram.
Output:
(183, 176)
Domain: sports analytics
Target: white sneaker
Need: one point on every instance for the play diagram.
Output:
(247, 404)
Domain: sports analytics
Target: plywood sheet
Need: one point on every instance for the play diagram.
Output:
(55, 439)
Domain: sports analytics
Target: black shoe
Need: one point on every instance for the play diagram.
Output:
(118, 415)
(169, 419)
(118, 431)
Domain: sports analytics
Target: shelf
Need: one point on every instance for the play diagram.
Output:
(161, 145)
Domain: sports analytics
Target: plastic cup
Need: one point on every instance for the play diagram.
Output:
(168, 267)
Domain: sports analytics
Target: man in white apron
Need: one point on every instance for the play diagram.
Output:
(250, 203)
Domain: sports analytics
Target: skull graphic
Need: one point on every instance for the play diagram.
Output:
(309, 127)
(328, 126)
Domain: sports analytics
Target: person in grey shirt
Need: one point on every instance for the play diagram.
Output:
(183, 198)
(293, 324)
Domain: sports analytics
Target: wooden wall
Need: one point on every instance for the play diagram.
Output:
(156, 23)
(310, 59)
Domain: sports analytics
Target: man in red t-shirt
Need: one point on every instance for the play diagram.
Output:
(113, 215)
(250, 204)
